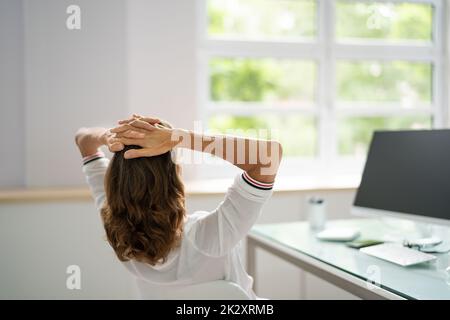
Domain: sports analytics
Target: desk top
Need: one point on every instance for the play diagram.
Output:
(422, 281)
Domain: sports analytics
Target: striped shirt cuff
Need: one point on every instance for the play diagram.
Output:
(93, 157)
(257, 184)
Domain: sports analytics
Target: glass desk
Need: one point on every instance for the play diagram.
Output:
(362, 275)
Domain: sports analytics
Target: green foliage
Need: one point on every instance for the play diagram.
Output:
(239, 80)
(384, 82)
(294, 81)
(262, 19)
(262, 80)
(386, 21)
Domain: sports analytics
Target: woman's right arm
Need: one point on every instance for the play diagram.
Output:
(259, 158)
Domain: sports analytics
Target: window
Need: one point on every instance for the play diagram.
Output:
(323, 74)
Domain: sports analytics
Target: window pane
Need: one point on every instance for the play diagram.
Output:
(264, 80)
(409, 83)
(297, 133)
(355, 134)
(262, 19)
(384, 20)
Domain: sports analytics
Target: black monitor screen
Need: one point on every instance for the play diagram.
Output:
(408, 172)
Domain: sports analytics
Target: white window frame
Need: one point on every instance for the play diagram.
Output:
(325, 51)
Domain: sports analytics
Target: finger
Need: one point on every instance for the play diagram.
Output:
(135, 117)
(142, 124)
(116, 147)
(150, 120)
(133, 134)
(121, 128)
(128, 127)
(124, 121)
(137, 153)
(128, 141)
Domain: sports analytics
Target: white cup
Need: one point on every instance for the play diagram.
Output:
(317, 213)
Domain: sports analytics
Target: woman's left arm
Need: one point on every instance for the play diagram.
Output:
(95, 165)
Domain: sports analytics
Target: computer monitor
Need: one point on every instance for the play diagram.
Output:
(407, 175)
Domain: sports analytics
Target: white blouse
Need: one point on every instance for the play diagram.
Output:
(210, 247)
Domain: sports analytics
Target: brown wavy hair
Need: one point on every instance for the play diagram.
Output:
(145, 207)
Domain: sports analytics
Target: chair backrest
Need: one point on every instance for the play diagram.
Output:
(213, 290)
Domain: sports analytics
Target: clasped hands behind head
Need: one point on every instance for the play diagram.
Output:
(153, 135)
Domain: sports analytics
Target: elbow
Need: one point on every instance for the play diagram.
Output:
(79, 135)
(280, 148)
(267, 169)
(277, 153)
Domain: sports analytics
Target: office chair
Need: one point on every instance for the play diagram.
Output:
(213, 290)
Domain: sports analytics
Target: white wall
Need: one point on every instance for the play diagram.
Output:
(12, 151)
(161, 57)
(161, 62)
(39, 242)
(129, 56)
(73, 78)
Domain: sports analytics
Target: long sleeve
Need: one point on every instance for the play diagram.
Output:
(218, 232)
(94, 168)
